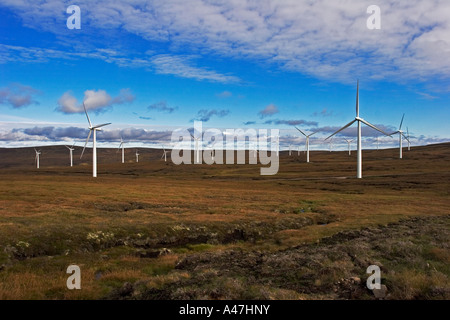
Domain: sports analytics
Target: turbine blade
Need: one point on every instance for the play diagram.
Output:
(344, 127)
(89, 120)
(401, 122)
(87, 140)
(101, 125)
(405, 137)
(313, 133)
(301, 131)
(373, 127)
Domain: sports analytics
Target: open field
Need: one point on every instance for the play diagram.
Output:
(154, 230)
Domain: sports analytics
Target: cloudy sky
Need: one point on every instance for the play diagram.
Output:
(152, 66)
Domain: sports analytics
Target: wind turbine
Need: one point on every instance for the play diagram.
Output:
(122, 144)
(165, 154)
(331, 145)
(349, 141)
(93, 129)
(378, 142)
(359, 120)
(137, 155)
(400, 137)
(71, 153)
(290, 149)
(36, 158)
(197, 150)
(298, 151)
(409, 143)
(307, 142)
(255, 151)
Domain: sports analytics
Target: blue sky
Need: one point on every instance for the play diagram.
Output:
(152, 66)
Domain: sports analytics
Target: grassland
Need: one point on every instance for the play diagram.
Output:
(153, 230)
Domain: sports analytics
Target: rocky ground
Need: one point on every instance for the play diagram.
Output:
(413, 251)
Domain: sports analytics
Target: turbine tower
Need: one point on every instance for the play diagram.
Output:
(359, 120)
(71, 153)
(93, 129)
(307, 142)
(290, 149)
(348, 142)
(197, 150)
(137, 155)
(122, 144)
(36, 158)
(401, 135)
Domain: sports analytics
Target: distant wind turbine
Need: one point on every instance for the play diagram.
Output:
(197, 150)
(401, 135)
(348, 142)
(290, 149)
(137, 155)
(307, 142)
(71, 153)
(409, 143)
(165, 152)
(36, 158)
(359, 120)
(122, 144)
(93, 129)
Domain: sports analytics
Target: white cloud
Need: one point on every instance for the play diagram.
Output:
(18, 95)
(182, 66)
(268, 111)
(97, 101)
(325, 39)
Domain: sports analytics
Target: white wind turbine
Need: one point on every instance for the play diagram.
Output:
(378, 142)
(307, 142)
(331, 145)
(409, 143)
(359, 120)
(290, 149)
(122, 144)
(36, 158)
(71, 153)
(348, 142)
(298, 151)
(165, 152)
(137, 155)
(401, 135)
(93, 129)
(255, 150)
(197, 150)
(278, 146)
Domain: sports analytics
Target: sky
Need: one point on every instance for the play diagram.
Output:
(150, 67)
